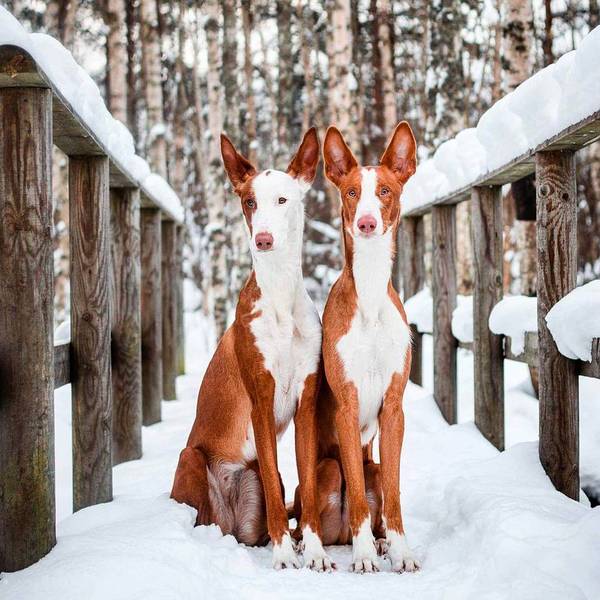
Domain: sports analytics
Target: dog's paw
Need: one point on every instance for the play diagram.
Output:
(382, 546)
(315, 557)
(364, 565)
(400, 555)
(284, 554)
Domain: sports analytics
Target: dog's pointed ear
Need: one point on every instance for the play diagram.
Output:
(338, 157)
(303, 166)
(239, 169)
(400, 156)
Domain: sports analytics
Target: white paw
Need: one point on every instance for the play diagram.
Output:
(284, 555)
(315, 557)
(400, 554)
(364, 557)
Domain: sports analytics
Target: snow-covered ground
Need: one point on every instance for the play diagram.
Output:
(487, 525)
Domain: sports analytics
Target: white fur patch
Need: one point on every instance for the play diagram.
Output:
(284, 555)
(368, 203)
(314, 554)
(364, 556)
(376, 344)
(399, 553)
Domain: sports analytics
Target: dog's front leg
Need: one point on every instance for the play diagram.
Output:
(305, 422)
(263, 423)
(391, 424)
(364, 556)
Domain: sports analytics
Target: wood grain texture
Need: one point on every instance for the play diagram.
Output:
(62, 364)
(180, 313)
(90, 326)
(26, 328)
(170, 303)
(413, 279)
(488, 353)
(592, 369)
(444, 303)
(126, 344)
(557, 271)
(150, 227)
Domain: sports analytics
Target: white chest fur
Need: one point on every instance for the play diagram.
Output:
(289, 339)
(376, 344)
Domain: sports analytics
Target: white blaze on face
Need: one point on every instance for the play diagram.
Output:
(368, 204)
(270, 216)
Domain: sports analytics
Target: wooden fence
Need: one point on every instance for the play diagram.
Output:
(126, 307)
(556, 198)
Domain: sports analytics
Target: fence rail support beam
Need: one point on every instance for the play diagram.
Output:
(152, 379)
(488, 353)
(27, 516)
(413, 265)
(557, 276)
(126, 344)
(89, 212)
(444, 302)
(170, 302)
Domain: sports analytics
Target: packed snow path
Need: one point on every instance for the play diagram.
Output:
(485, 524)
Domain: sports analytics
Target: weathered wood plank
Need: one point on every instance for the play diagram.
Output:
(530, 352)
(180, 314)
(26, 329)
(90, 324)
(62, 364)
(592, 369)
(413, 279)
(444, 302)
(169, 308)
(557, 272)
(488, 363)
(150, 227)
(126, 342)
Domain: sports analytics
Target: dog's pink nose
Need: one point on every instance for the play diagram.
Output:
(367, 224)
(263, 241)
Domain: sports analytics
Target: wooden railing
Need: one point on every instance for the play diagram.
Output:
(126, 306)
(554, 165)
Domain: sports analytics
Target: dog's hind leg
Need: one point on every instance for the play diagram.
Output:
(375, 501)
(191, 485)
(329, 486)
(248, 505)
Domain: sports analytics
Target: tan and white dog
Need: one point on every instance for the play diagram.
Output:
(265, 371)
(367, 354)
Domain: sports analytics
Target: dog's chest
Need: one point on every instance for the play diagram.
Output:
(290, 344)
(373, 349)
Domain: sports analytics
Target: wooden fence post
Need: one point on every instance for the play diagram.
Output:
(444, 302)
(413, 264)
(488, 354)
(557, 272)
(170, 303)
(180, 314)
(126, 342)
(27, 516)
(150, 227)
(90, 322)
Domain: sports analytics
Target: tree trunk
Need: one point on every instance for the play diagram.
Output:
(285, 97)
(156, 146)
(116, 59)
(250, 134)
(216, 283)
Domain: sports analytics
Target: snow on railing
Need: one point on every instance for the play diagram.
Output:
(80, 91)
(537, 128)
(554, 99)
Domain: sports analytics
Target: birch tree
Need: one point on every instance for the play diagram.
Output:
(156, 144)
(116, 59)
(215, 285)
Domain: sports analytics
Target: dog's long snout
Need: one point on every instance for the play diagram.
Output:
(367, 224)
(264, 241)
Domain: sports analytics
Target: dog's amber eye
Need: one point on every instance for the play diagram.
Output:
(282, 200)
(352, 193)
(250, 203)
(384, 191)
